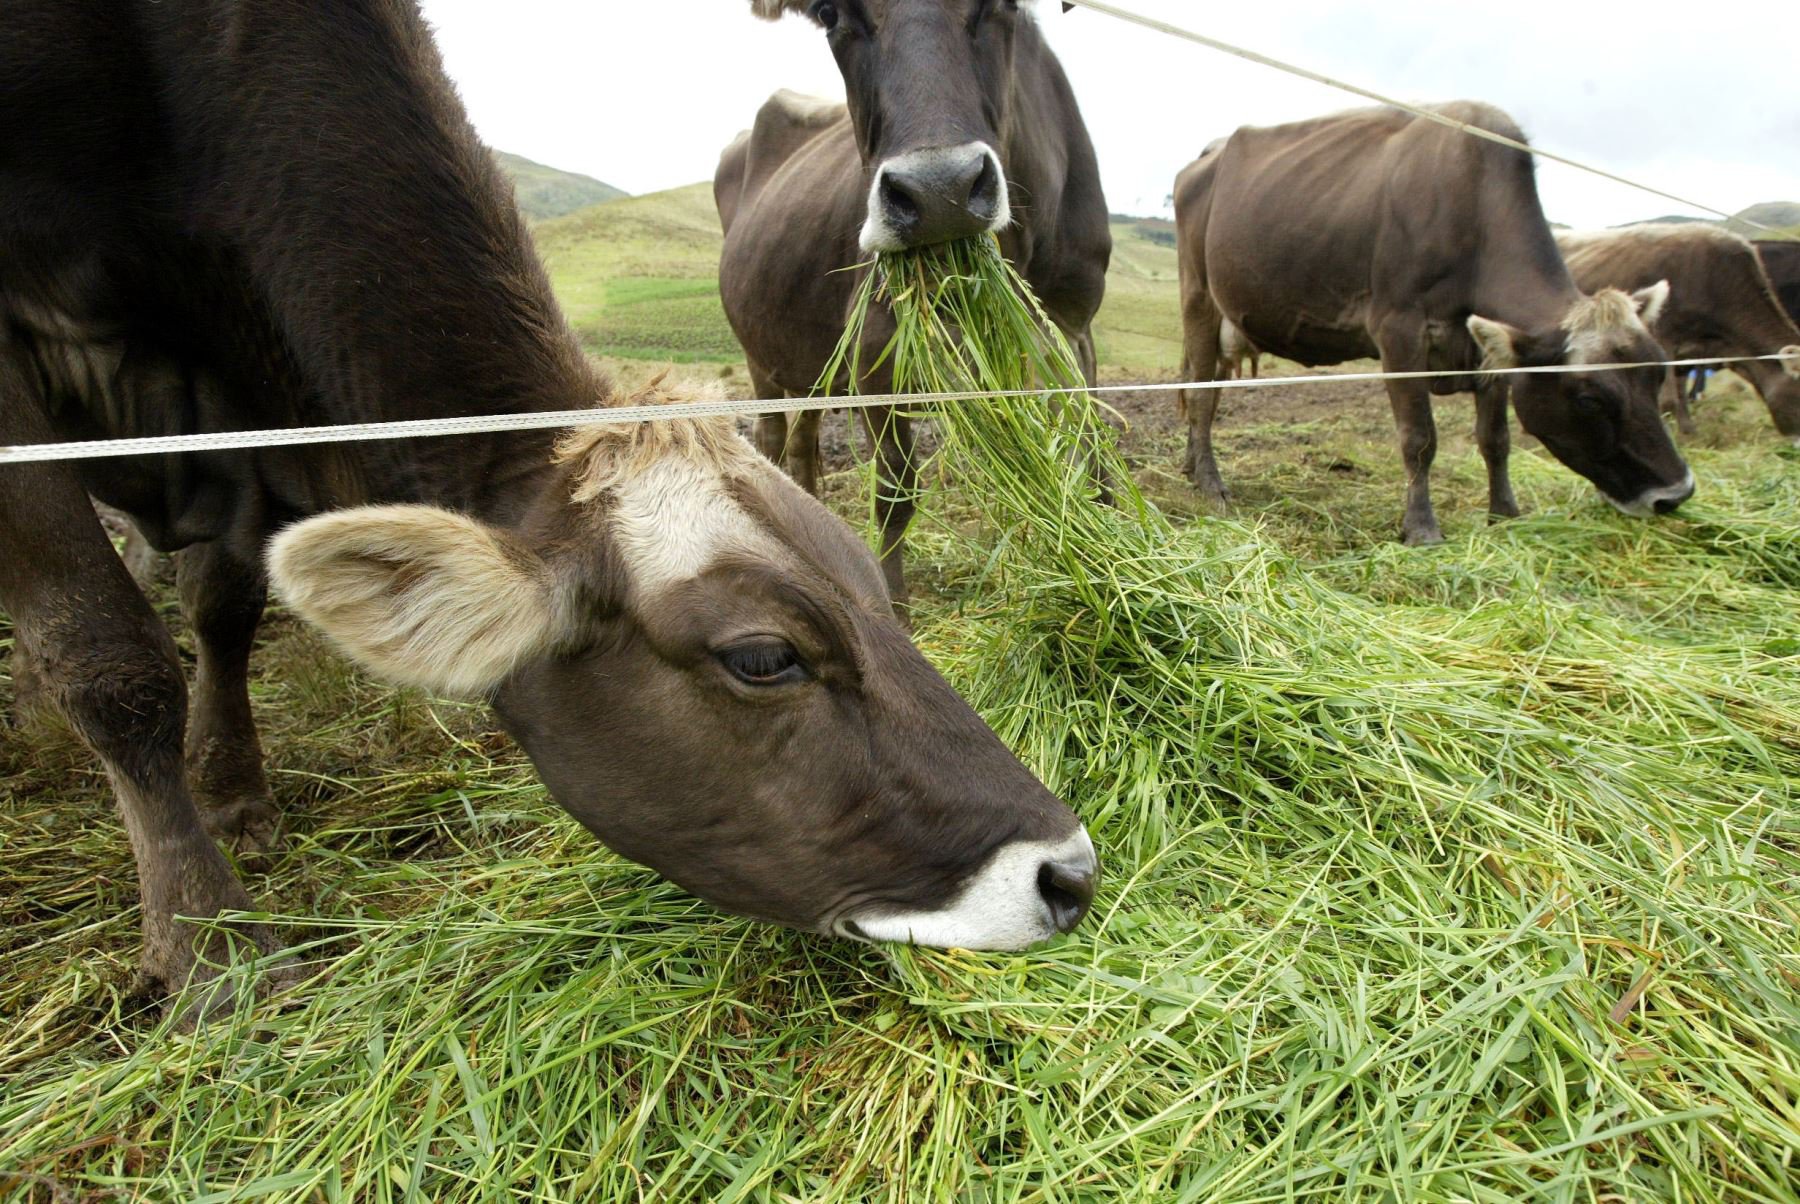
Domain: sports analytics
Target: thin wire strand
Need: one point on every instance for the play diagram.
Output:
(430, 428)
(1474, 131)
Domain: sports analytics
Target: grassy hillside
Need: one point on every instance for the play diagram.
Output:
(1774, 215)
(545, 192)
(1138, 332)
(639, 278)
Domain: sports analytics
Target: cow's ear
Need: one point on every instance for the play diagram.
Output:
(774, 10)
(418, 595)
(1499, 343)
(1651, 301)
(1790, 362)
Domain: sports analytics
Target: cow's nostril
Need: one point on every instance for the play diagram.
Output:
(899, 202)
(984, 193)
(1067, 890)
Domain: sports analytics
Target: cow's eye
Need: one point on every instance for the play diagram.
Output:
(765, 663)
(826, 14)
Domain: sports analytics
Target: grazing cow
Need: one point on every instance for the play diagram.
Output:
(960, 123)
(1377, 233)
(1723, 304)
(217, 215)
(1781, 260)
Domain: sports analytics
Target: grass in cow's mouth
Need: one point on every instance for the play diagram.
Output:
(1464, 874)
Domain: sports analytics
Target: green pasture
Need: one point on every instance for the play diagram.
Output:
(1468, 873)
(640, 279)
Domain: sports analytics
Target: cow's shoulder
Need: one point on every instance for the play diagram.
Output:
(788, 109)
(788, 121)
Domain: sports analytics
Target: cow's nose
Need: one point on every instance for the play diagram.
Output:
(1068, 889)
(940, 195)
(1668, 505)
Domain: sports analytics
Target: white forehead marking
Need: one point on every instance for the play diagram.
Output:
(674, 518)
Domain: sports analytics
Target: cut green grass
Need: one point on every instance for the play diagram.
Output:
(1463, 874)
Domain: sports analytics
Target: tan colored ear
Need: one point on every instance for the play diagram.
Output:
(1790, 362)
(1651, 301)
(774, 10)
(1498, 343)
(417, 595)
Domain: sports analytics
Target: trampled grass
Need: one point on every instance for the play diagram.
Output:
(1458, 874)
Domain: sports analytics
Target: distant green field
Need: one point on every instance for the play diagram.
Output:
(640, 280)
(639, 277)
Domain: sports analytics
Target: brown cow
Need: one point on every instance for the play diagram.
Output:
(216, 215)
(1723, 304)
(1377, 233)
(960, 123)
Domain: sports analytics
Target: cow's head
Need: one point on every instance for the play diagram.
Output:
(704, 665)
(928, 82)
(1604, 424)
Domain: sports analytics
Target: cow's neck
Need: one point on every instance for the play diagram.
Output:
(1520, 276)
(377, 232)
(1039, 101)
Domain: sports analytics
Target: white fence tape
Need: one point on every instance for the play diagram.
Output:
(428, 428)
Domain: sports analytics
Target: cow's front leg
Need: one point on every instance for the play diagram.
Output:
(1411, 400)
(1493, 435)
(223, 600)
(111, 668)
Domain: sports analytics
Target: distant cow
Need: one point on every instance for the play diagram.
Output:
(1378, 233)
(960, 123)
(1238, 356)
(1781, 259)
(1723, 304)
(219, 216)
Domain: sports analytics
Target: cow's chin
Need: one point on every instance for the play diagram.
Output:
(1006, 906)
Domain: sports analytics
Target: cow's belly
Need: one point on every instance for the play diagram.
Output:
(1306, 339)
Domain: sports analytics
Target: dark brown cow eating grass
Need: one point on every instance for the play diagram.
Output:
(219, 215)
(1378, 233)
(1723, 304)
(960, 123)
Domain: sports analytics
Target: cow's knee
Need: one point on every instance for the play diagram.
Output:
(119, 684)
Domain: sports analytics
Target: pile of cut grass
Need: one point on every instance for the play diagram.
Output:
(1465, 874)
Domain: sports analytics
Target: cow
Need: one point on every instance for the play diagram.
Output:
(1781, 260)
(1723, 304)
(960, 124)
(217, 215)
(1379, 233)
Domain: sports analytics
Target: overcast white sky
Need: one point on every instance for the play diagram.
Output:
(1700, 102)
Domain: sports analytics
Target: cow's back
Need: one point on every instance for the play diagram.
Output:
(779, 276)
(1721, 300)
(786, 124)
(1320, 231)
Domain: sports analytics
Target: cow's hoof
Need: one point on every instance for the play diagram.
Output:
(1212, 492)
(1502, 511)
(1423, 536)
(248, 827)
(201, 969)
